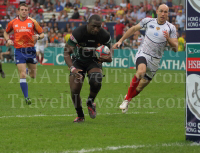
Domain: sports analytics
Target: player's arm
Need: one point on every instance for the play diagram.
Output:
(6, 36)
(8, 30)
(173, 42)
(41, 36)
(172, 39)
(68, 50)
(39, 30)
(128, 33)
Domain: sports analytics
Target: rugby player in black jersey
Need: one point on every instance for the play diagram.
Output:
(82, 45)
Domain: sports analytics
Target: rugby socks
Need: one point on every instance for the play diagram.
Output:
(135, 93)
(79, 111)
(133, 85)
(24, 87)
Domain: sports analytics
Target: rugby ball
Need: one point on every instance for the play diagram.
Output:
(102, 51)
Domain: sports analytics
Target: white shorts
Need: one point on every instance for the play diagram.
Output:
(152, 63)
(40, 49)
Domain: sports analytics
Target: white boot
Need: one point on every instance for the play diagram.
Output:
(124, 106)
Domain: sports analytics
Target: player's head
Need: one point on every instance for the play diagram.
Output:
(162, 13)
(94, 24)
(23, 10)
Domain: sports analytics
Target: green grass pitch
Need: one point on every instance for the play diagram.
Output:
(154, 123)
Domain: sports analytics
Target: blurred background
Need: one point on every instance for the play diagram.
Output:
(60, 17)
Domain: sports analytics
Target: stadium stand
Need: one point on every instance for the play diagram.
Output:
(108, 11)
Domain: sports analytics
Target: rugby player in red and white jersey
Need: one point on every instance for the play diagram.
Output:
(159, 32)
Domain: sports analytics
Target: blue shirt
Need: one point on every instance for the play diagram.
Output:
(59, 8)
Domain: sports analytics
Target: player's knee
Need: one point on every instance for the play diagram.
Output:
(141, 72)
(22, 74)
(75, 91)
(74, 94)
(32, 75)
(95, 80)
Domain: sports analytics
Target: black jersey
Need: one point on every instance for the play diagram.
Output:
(85, 44)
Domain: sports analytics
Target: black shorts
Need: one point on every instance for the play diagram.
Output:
(86, 66)
(143, 60)
(140, 60)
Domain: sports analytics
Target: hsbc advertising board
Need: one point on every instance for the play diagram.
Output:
(192, 124)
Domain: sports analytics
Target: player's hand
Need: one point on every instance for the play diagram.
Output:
(105, 58)
(9, 43)
(166, 34)
(77, 74)
(35, 38)
(117, 45)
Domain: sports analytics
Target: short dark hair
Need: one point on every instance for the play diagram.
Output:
(22, 4)
(183, 33)
(94, 17)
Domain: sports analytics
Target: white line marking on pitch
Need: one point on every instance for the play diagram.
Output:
(43, 115)
(132, 147)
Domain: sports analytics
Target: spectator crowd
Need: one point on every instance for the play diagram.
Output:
(125, 15)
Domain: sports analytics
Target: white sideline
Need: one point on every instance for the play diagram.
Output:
(43, 115)
(132, 147)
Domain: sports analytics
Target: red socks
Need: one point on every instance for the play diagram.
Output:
(132, 89)
(135, 93)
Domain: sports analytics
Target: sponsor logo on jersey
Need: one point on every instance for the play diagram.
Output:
(89, 49)
(23, 30)
(193, 94)
(29, 25)
(82, 44)
(195, 4)
(157, 28)
(73, 39)
(91, 40)
(152, 26)
(16, 25)
(156, 34)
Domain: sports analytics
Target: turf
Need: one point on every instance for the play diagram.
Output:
(155, 121)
